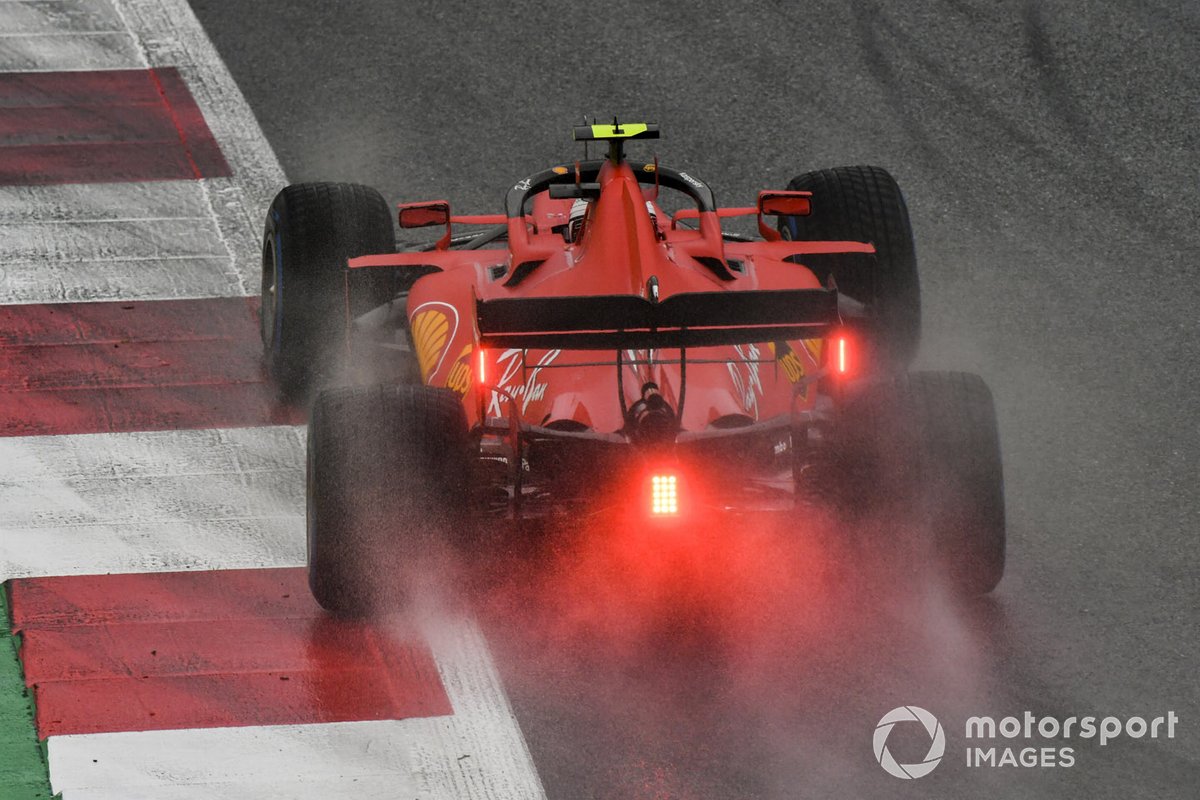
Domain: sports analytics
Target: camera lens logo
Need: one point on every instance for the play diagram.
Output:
(937, 743)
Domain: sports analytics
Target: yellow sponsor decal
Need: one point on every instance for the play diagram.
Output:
(431, 332)
(610, 131)
(560, 170)
(649, 168)
(792, 368)
(790, 363)
(459, 379)
(813, 346)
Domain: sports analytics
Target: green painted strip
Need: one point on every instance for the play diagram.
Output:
(23, 771)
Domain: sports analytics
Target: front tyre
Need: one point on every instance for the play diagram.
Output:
(865, 204)
(311, 231)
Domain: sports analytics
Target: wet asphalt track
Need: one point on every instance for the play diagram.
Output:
(1049, 154)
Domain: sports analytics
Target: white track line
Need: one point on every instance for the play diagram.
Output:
(77, 203)
(68, 51)
(116, 241)
(103, 240)
(46, 17)
(148, 502)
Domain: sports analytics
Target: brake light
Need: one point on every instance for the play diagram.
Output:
(481, 366)
(843, 364)
(664, 495)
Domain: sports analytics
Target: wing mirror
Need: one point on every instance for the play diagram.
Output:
(425, 214)
(785, 204)
(781, 204)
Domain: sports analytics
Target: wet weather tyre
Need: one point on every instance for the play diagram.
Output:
(386, 482)
(311, 230)
(923, 454)
(865, 204)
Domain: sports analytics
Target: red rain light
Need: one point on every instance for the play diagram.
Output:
(842, 351)
(664, 495)
(481, 366)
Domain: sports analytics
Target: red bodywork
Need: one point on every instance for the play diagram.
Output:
(621, 250)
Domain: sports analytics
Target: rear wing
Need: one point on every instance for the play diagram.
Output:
(694, 319)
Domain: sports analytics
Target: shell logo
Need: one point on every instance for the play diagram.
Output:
(432, 329)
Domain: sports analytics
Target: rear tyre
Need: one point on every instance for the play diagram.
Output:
(311, 230)
(865, 204)
(387, 487)
(922, 454)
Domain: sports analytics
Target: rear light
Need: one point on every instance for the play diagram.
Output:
(842, 358)
(483, 391)
(664, 495)
(481, 366)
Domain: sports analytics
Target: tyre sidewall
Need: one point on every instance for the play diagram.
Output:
(922, 473)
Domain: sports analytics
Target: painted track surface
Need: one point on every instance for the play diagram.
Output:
(1050, 161)
(140, 439)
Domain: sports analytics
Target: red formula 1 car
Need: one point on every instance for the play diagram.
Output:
(589, 352)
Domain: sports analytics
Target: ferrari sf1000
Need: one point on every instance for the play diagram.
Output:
(587, 352)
